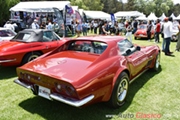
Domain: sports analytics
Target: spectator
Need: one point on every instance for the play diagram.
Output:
(49, 25)
(9, 25)
(84, 28)
(55, 27)
(129, 31)
(178, 42)
(149, 27)
(167, 30)
(35, 25)
(135, 25)
(157, 30)
(78, 29)
(104, 28)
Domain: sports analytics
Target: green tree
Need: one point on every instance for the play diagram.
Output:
(5, 6)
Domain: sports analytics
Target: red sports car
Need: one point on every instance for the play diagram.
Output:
(27, 45)
(87, 70)
(141, 32)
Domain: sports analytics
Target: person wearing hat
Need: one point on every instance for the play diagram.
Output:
(35, 25)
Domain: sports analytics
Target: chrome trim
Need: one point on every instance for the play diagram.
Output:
(22, 84)
(137, 76)
(75, 103)
(3, 61)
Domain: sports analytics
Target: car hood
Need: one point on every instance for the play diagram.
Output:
(69, 66)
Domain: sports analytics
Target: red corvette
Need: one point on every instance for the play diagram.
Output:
(27, 45)
(141, 32)
(87, 70)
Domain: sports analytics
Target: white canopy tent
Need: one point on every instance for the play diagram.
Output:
(162, 17)
(39, 6)
(121, 14)
(173, 16)
(142, 18)
(97, 15)
(178, 17)
(152, 16)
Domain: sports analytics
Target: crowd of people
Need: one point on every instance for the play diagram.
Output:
(123, 27)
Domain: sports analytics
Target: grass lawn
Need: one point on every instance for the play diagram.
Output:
(152, 93)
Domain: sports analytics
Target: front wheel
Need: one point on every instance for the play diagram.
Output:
(120, 91)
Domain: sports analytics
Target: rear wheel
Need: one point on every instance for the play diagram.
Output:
(120, 91)
(30, 56)
(135, 38)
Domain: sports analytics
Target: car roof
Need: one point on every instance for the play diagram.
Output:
(102, 38)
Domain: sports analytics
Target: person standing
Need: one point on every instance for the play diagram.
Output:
(149, 27)
(78, 29)
(129, 32)
(167, 30)
(95, 25)
(35, 25)
(157, 30)
(178, 42)
(55, 27)
(84, 28)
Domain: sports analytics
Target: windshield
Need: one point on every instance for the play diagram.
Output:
(7, 33)
(142, 27)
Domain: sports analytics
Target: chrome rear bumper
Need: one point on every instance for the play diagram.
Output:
(72, 102)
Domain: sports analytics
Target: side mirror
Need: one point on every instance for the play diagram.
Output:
(138, 48)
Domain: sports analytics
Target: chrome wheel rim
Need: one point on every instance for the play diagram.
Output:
(122, 90)
(32, 57)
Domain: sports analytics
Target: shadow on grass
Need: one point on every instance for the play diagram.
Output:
(56, 110)
(7, 72)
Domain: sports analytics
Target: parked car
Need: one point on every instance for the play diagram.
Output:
(27, 45)
(87, 70)
(141, 32)
(6, 34)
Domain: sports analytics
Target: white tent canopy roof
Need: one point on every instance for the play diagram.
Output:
(152, 16)
(142, 18)
(97, 15)
(162, 16)
(173, 16)
(178, 17)
(128, 14)
(39, 6)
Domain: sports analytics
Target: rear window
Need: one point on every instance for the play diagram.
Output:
(88, 46)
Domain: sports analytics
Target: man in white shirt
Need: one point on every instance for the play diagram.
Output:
(9, 25)
(167, 30)
(35, 25)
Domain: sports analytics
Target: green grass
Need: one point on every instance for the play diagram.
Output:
(152, 93)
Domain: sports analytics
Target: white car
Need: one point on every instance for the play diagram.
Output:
(6, 34)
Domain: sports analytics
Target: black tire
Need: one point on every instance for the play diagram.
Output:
(120, 91)
(30, 56)
(156, 63)
(135, 38)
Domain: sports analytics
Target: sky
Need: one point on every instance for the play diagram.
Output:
(175, 1)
